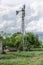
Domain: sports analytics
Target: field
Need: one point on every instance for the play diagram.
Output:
(22, 58)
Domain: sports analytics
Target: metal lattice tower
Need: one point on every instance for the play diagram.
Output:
(22, 23)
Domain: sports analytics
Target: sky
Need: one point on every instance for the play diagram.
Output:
(10, 22)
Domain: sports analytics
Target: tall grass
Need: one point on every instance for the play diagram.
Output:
(12, 55)
(22, 58)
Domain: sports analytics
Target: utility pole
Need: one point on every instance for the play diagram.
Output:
(22, 24)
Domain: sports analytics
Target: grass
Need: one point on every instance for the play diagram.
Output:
(22, 58)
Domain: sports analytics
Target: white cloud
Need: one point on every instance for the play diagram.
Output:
(34, 15)
(2, 24)
(35, 26)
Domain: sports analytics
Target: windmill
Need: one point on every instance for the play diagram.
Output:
(22, 23)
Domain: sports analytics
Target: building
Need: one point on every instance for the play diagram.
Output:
(1, 50)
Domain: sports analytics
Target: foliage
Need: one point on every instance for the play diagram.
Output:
(32, 41)
(15, 40)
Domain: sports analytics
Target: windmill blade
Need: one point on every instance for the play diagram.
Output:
(17, 12)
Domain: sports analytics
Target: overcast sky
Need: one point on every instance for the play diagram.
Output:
(10, 22)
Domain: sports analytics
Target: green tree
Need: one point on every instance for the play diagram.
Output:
(30, 41)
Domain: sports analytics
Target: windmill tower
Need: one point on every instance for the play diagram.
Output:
(22, 24)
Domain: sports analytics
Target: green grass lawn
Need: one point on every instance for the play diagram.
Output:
(22, 58)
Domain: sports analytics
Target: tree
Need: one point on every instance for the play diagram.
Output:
(16, 40)
(31, 40)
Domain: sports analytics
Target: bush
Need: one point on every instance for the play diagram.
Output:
(30, 41)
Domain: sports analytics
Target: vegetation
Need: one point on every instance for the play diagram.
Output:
(30, 41)
(22, 58)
